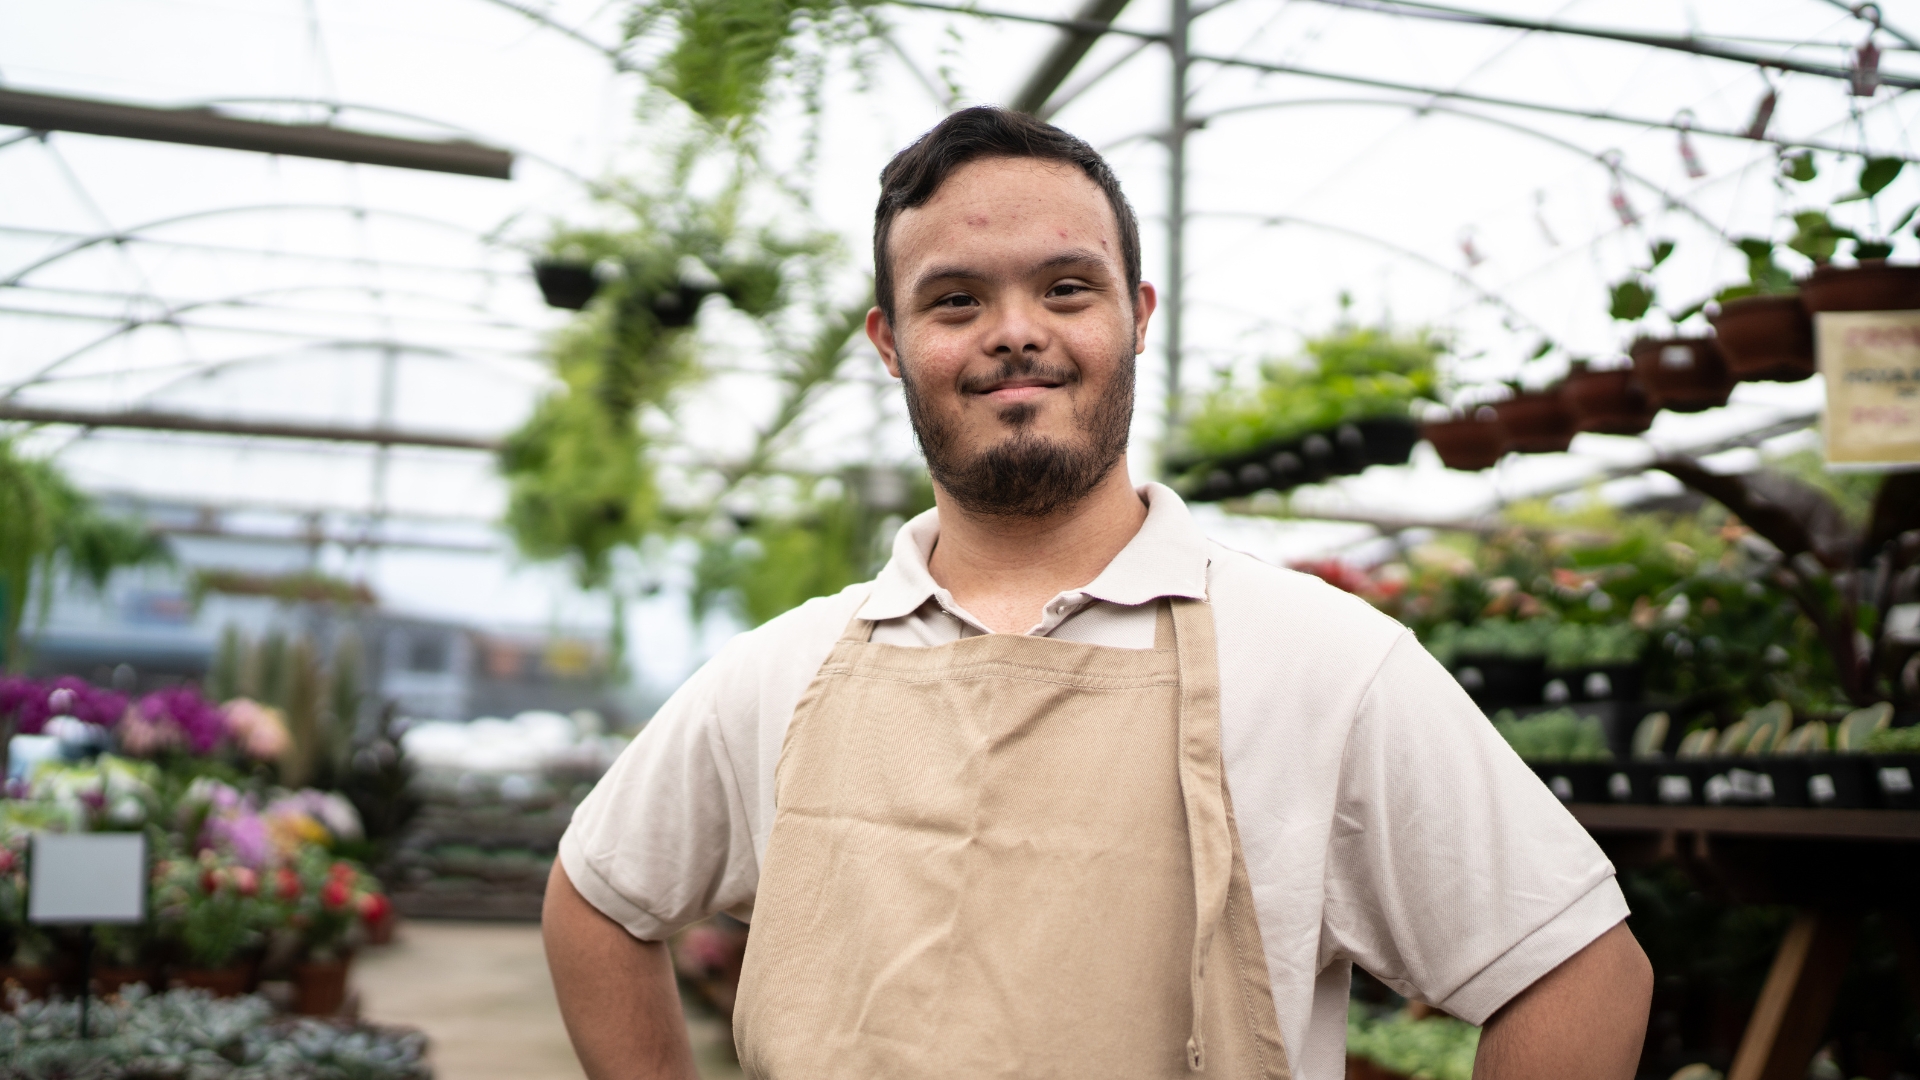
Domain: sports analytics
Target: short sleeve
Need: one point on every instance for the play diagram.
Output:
(1453, 874)
(663, 839)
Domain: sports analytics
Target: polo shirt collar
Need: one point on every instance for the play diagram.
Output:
(1167, 557)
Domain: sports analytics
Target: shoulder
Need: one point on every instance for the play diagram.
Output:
(773, 662)
(1261, 605)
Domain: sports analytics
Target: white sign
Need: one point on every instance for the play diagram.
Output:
(88, 878)
(1871, 360)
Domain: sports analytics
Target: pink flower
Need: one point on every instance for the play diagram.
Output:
(260, 730)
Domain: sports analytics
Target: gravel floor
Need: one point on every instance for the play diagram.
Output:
(480, 992)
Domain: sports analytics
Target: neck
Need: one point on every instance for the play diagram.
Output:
(1004, 570)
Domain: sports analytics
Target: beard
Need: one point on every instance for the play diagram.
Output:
(1027, 475)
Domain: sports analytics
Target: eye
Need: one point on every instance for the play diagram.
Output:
(1066, 289)
(955, 300)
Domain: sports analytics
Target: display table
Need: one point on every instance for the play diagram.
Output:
(1834, 865)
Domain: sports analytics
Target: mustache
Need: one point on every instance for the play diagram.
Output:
(1020, 367)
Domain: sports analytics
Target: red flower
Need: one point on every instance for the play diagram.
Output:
(335, 895)
(245, 880)
(210, 882)
(287, 884)
(340, 871)
(374, 907)
(6, 860)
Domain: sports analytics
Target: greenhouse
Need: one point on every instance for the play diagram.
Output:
(1430, 497)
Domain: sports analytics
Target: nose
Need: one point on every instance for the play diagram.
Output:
(1018, 330)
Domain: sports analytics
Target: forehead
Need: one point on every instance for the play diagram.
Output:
(1010, 205)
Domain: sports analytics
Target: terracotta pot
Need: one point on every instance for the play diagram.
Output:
(320, 986)
(1470, 443)
(1681, 374)
(1606, 402)
(111, 980)
(1536, 423)
(1765, 338)
(36, 981)
(220, 982)
(1874, 285)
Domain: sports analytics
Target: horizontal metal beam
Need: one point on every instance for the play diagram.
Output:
(1066, 54)
(204, 127)
(312, 538)
(1695, 45)
(149, 420)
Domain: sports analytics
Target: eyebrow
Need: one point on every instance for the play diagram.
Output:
(955, 272)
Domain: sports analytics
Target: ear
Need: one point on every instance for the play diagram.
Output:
(880, 332)
(1145, 300)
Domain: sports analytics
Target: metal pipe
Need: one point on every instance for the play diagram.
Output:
(151, 420)
(204, 127)
(1174, 293)
(1066, 54)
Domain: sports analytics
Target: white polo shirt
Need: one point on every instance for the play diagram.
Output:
(1383, 821)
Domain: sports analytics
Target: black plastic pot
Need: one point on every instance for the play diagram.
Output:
(1575, 781)
(1897, 776)
(1604, 682)
(568, 285)
(1281, 466)
(1497, 681)
(1632, 781)
(1840, 781)
(1789, 779)
(1389, 439)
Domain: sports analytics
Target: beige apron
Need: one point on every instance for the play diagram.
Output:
(1007, 856)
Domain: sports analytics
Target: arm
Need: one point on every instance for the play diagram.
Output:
(1584, 1020)
(616, 992)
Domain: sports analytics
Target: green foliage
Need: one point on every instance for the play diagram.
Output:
(1764, 276)
(1354, 372)
(48, 528)
(726, 52)
(777, 562)
(1799, 167)
(1904, 740)
(1554, 735)
(1573, 645)
(1496, 637)
(1436, 1048)
(190, 1034)
(1817, 237)
(1875, 174)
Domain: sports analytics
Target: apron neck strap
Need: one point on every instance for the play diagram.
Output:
(1163, 635)
(1203, 790)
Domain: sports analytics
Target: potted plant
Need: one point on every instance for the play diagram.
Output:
(1606, 400)
(330, 903)
(1764, 331)
(1567, 750)
(1535, 422)
(26, 949)
(1596, 661)
(123, 957)
(1873, 284)
(1896, 766)
(1499, 661)
(211, 909)
(1684, 374)
(565, 283)
(1471, 440)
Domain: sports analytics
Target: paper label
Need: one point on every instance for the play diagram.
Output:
(1871, 361)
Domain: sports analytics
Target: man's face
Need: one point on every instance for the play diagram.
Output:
(1014, 334)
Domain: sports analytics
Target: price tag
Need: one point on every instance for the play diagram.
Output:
(88, 878)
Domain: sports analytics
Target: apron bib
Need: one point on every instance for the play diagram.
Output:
(1007, 856)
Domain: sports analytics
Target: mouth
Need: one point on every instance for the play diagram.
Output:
(1012, 391)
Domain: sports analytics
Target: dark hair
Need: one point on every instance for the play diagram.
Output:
(984, 131)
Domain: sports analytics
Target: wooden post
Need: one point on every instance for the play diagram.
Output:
(1792, 1012)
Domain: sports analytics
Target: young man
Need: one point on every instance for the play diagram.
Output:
(1070, 790)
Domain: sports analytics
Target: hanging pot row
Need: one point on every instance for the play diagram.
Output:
(1765, 338)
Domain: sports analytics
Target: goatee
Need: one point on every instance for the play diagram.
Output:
(1027, 475)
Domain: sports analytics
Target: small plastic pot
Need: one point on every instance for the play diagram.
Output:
(1606, 402)
(1874, 285)
(1789, 779)
(1840, 781)
(1536, 423)
(1575, 781)
(1765, 338)
(1389, 439)
(1681, 374)
(568, 285)
(1495, 681)
(1469, 444)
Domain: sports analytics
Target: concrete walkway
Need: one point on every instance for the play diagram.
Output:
(481, 993)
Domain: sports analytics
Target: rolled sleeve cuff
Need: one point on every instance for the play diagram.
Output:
(589, 883)
(1547, 948)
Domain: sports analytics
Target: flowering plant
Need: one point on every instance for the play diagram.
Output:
(107, 794)
(31, 703)
(211, 906)
(258, 731)
(330, 899)
(173, 719)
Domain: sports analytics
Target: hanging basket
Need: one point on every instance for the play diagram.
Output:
(1606, 402)
(1681, 374)
(568, 285)
(1537, 423)
(1874, 285)
(1470, 443)
(1765, 338)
